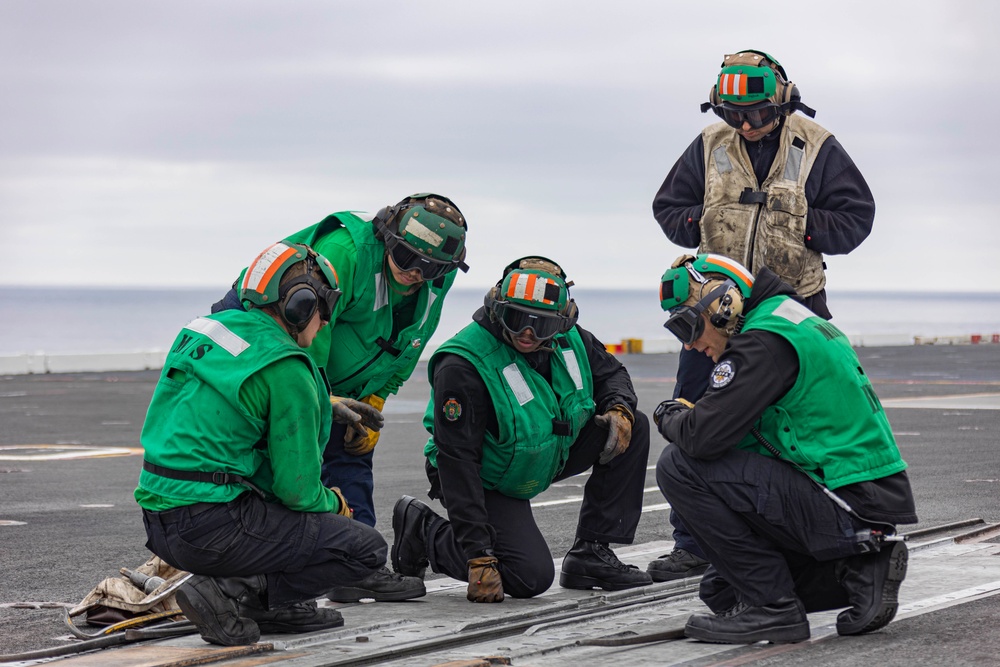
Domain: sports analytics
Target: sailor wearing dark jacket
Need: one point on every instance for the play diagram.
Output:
(789, 416)
(523, 397)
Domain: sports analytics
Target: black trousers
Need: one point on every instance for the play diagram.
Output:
(610, 512)
(303, 554)
(767, 529)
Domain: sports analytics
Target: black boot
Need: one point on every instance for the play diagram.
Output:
(678, 564)
(780, 622)
(383, 585)
(211, 604)
(410, 521)
(592, 564)
(293, 619)
(872, 585)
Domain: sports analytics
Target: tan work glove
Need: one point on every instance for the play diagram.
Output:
(345, 509)
(484, 580)
(618, 420)
(360, 439)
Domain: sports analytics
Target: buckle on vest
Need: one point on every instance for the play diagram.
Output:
(561, 427)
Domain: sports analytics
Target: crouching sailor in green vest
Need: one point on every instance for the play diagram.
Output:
(234, 436)
(786, 471)
(395, 270)
(522, 397)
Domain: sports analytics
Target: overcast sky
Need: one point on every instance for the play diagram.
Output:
(167, 143)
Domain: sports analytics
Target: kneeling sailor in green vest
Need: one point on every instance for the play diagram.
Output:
(234, 437)
(522, 397)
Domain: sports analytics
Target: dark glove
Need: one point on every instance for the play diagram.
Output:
(672, 406)
(618, 420)
(484, 580)
(345, 509)
(360, 438)
(357, 415)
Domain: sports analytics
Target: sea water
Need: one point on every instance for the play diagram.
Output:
(53, 320)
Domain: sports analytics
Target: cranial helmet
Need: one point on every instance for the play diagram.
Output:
(424, 231)
(532, 294)
(708, 283)
(295, 294)
(754, 76)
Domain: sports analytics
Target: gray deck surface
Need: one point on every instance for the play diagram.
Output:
(67, 523)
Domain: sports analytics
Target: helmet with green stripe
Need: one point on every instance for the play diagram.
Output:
(295, 280)
(424, 232)
(707, 283)
(533, 294)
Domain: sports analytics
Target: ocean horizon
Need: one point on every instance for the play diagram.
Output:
(99, 320)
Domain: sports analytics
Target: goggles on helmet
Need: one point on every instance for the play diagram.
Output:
(516, 319)
(407, 259)
(758, 115)
(686, 322)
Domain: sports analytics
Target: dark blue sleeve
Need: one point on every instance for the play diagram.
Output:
(678, 204)
(841, 205)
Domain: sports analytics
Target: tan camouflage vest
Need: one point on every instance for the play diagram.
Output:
(768, 228)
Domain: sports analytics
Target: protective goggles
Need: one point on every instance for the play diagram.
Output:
(304, 297)
(516, 320)
(758, 115)
(686, 323)
(407, 259)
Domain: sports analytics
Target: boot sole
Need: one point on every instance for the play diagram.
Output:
(198, 610)
(350, 594)
(397, 531)
(582, 582)
(661, 575)
(785, 634)
(271, 628)
(881, 614)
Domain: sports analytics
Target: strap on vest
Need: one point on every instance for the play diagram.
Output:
(386, 346)
(750, 196)
(561, 427)
(220, 478)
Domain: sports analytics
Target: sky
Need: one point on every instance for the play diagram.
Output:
(167, 143)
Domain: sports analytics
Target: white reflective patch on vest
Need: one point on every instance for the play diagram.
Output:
(517, 384)
(218, 332)
(793, 311)
(381, 292)
(722, 163)
(573, 367)
(723, 374)
(431, 298)
(793, 164)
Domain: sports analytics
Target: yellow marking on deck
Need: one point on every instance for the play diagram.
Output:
(62, 452)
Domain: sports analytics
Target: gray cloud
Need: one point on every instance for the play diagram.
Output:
(182, 137)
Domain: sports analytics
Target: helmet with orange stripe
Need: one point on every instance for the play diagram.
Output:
(532, 295)
(709, 283)
(753, 87)
(294, 281)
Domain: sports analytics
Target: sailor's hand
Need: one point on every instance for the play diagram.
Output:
(618, 420)
(484, 580)
(349, 411)
(345, 509)
(669, 407)
(362, 438)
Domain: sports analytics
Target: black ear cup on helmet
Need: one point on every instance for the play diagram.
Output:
(730, 307)
(298, 305)
(571, 313)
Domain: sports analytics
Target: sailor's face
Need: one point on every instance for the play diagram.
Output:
(711, 342)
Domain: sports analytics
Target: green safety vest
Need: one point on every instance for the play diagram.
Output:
(525, 456)
(195, 420)
(357, 365)
(830, 422)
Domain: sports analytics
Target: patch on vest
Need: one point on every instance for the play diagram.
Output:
(723, 374)
(452, 409)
